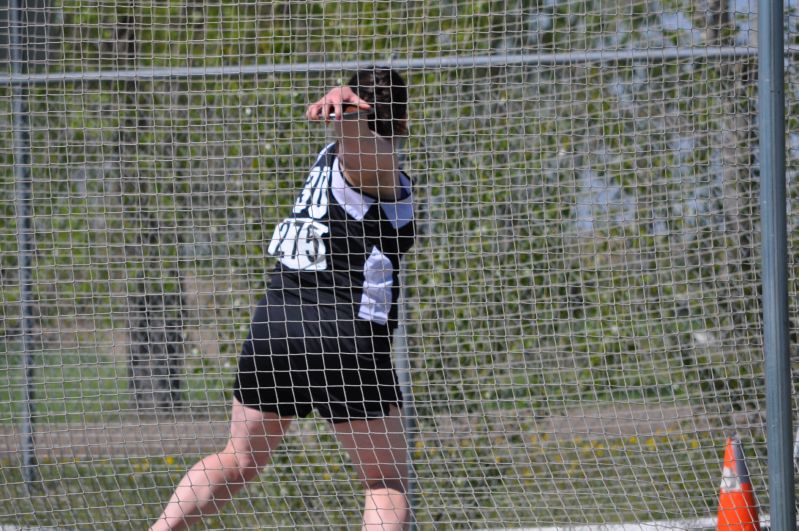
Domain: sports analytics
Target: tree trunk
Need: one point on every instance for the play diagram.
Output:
(156, 349)
(735, 141)
(155, 299)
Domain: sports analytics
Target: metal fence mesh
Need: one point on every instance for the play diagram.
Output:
(582, 312)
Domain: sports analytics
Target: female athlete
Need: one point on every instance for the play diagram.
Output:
(321, 338)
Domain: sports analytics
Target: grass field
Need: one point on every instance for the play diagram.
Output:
(457, 489)
(85, 387)
(496, 471)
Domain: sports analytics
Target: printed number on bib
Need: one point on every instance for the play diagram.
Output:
(298, 244)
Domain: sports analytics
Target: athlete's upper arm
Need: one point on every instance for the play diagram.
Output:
(369, 160)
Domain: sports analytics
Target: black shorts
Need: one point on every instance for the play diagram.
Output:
(301, 356)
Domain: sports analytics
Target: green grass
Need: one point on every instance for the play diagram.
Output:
(470, 482)
(130, 493)
(86, 387)
(486, 475)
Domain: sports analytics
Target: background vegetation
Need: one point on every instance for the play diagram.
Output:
(589, 241)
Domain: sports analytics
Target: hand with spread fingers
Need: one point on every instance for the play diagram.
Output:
(336, 103)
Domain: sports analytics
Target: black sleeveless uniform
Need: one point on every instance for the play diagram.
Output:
(321, 338)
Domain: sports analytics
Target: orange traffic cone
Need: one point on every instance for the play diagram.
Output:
(737, 506)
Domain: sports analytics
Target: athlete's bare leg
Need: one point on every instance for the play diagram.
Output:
(213, 481)
(379, 451)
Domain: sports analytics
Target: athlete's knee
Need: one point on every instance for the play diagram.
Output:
(242, 464)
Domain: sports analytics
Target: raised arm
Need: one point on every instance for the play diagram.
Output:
(369, 161)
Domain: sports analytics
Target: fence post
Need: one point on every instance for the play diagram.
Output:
(771, 121)
(409, 422)
(22, 178)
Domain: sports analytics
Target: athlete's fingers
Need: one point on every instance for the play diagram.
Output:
(312, 113)
(362, 104)
(346, 97)
(318, 110)
(353, 100)
(334, 104)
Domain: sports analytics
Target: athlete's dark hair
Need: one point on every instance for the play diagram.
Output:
(386, 90)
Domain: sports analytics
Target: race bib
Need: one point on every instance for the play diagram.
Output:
(298, 243)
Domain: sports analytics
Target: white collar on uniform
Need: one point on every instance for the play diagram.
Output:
(399, 213)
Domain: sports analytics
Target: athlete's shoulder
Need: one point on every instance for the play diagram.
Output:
(326, 156)
(406, 185)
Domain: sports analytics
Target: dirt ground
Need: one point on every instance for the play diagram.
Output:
(165, 435)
